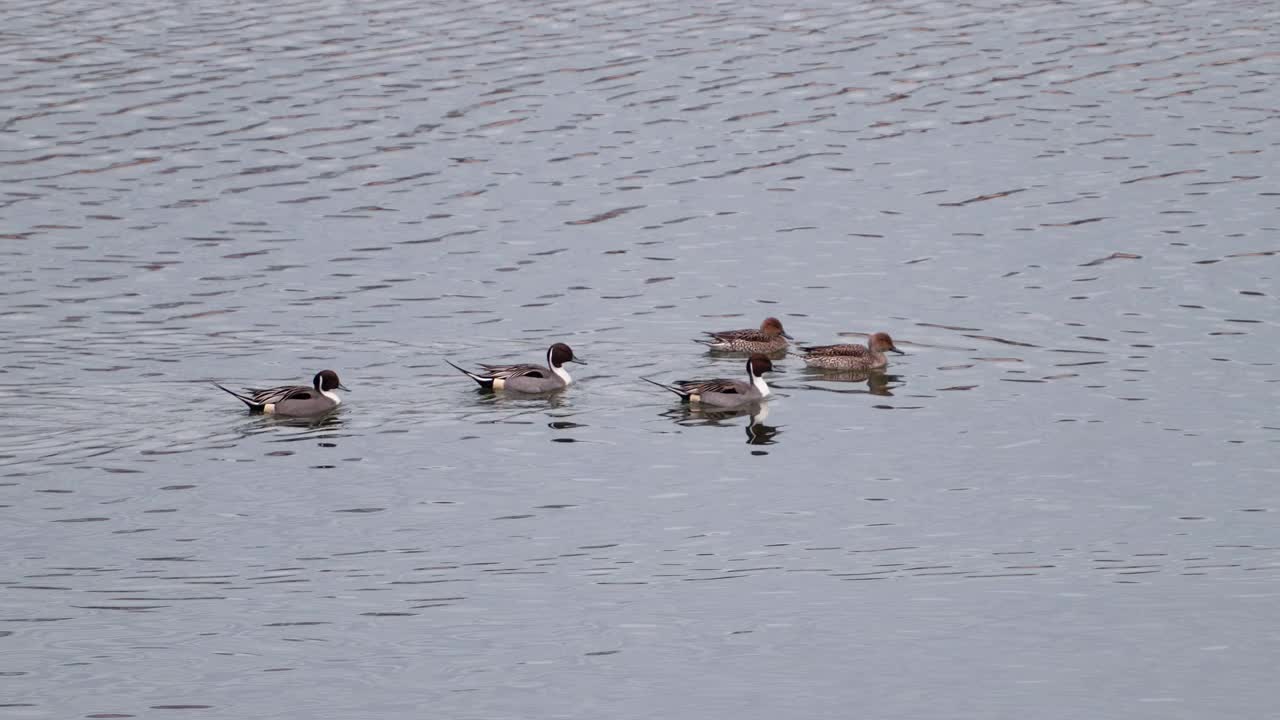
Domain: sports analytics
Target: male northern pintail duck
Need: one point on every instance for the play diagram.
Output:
(769, 339)
(851, 357)
(295, 400)
(725, 393)
(528, 378)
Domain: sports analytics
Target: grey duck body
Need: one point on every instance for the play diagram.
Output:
(527, 378)
(294, 400)
(722, 392)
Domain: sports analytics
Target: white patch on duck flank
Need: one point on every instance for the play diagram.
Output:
(498, 383)
(269, 408)
(695, 397)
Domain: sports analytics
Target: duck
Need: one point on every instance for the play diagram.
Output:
(294, 400)
(527, 378)
(851, 357)
(724, 393)
(768, 339)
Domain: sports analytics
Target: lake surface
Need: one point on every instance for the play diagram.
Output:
(1061, 503)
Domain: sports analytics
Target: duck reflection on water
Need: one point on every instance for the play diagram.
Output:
(293, 429)
(878, 382)
(758, 433)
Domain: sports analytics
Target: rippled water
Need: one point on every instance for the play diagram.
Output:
(1060, 504)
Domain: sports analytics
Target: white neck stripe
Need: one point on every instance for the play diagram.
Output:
(562, 374)
(760, 385)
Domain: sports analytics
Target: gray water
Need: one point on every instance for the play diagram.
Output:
(1059, 504)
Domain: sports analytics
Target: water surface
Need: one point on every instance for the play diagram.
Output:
(1060, 504)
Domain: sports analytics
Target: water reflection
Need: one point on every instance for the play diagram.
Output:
(176, 212)
(309, 427)
(878, 382)
(758, 433)
(523, 402)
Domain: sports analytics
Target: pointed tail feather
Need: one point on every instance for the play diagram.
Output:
(253, 406)
(710, 339)
(483, 381)
(668, 388)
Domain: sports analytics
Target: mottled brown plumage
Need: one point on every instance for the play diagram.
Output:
(769, 338)
(851, 357)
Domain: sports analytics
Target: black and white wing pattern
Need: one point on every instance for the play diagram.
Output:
(276, 395)
(704, 387)
(506, 372)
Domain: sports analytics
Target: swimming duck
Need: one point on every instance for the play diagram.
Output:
(851, 357)
(528, 378)
(768, 339)
(294, 400)
(725, 393)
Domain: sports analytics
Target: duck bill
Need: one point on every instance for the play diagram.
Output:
(344, 388)
(578, 361)
(896, 350)
(787, 336)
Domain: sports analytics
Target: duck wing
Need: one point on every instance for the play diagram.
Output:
(275, 395)
(748, 334)
(506, 372)
(702, 387)
(837, 350)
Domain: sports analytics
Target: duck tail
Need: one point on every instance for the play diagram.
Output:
(253, 406)
(710, 339)
(668, 388)
(484, 382)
